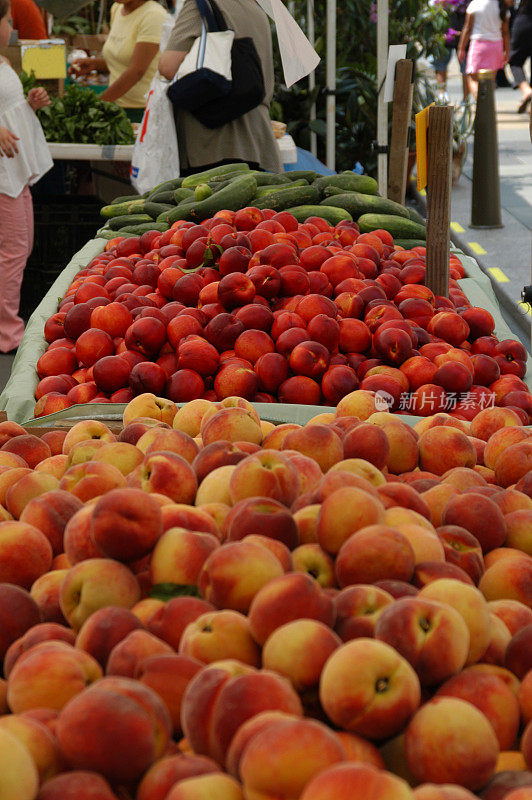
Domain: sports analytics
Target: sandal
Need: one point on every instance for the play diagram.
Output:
(524, 105)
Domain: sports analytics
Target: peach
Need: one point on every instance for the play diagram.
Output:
(427, 571)
(463, 478)
(374, 552)
(122, 455)
(50, 513)
(480, 516)
(77, 540)
(55, 465)
(401, 494)
(266, 473)
(264, 516)
(35, 635)
(344, 512)
(25, 553)
(218, 635)
(508, 579)
(360, 750)
(126, 524)
(170, 619)
(233, 424)
(91, 479)
(291, 596)
(214, 488)
(490, 420)
(383, 697)
(357, 610)
(104, 629)
(29, 447)
(168, 675)
(437, 498)
(19, 777)
(404, 451)
(45, 592)
(299, 650)
(359, 403)
(450, 741)
(166, 473)
(316, 562)
(245, 734)
(424, 542)
(203, 786)
(166, 772)
(510, 500)
(443, 447)
(148, 405)
(500, 440)
(524, 696)
(361, 468)
(470, 603)
(87, 430)
(8, 477)
(306, 519)
(179, 556)
(518, 655)
(319, 442)
(179, 515)
(39, 740)
(349, 780)
(117, 727)
(462, 549)
(369, 442)
(514, 614)
(18, 613)
(188, 417)
(519, 530)
(93, 584)
(131, 650)
(308, 469)
(513, 463)
(168, 439)
(26, 488)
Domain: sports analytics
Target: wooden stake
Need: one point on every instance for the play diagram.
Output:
(440, 140)
(401, 119)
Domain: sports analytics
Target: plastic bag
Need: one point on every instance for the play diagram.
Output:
(155, 153)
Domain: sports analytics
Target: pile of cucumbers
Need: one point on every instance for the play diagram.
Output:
(346, 196)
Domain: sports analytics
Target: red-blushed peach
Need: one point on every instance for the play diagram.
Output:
(513, 463)
(382, 699)
(524, 697)
(87, 430)
(168, 675)
(104, 629)
(463, 478)
(39, 740)
(343, 513)
(175, 441)
(48, 675)
(179, 556)
(470, 603)
(50, 513)
(339, 479)
(165, 473)
(188, 417)
(311, 558)
(83, 451)
(220, 635)
(519, 530)
(399, 515)
(29, 447)
(246, 732)
(76, 785)
(369, 442)
(480, 516)
(443, 447)
(160, 777)
(42, 632)
(214, 488)
(149, 405)
(345, 781)
(450, 741)
(445, 791)
(232, 574)
(146, 608)
(438, 419)
(504, 674)
(93, 584)
(203, 786)
(437, 498)
(297, 750)
(424, 542)
(500, 440)
(432, 636)
(491, 696)
(427, 571)
(218, 513)
(292, 596)
(91, 479)
(508, 579)
(169, 620)
(126, 524)
(266, 473)
(25, 553)
(359, 403)
(361, 468)
(19, 779)
(18, 613)
(306, 519)
(401, 494)
(279, 550)
(232, 424)
(77, 540)
(374, 552)
(462, 549)
(45, 592)
(510, 500)
(503, 553)
(8, 477)
(319, 442)
(122, 455)
(26, 488)
(299, 650)
(117, 727)
(489, 420)
(514, 614)
(360, 750)
(274, 440)
(308, 469)
(357, 610)
(133, 648)
(181, 515)
(518, 656)
(55, 465)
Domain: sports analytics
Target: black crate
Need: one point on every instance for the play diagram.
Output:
(62, 226)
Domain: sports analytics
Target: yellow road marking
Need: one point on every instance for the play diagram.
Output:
(456, 227)
(499, 275)
(476, 248)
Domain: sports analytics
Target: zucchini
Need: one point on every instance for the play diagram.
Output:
(271, 178)
(416, 216)
(229, 176)
(358, 204)
(399, 227)
(330, 191)
(330, 214)
(233, 197)
(179, 212)
(262, 191)
(191, 181)
(288, 197)
(115, 223)
(182, 194)
(166, 196)
(295, 174)
(143, 227)
(350, 181)
(408, 244)
(153, 210)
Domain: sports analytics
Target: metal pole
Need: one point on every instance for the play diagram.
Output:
(382, 107)
(312, 77)
(331, 84)
(486, 196)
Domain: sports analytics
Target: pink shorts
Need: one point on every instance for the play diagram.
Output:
(484, 54)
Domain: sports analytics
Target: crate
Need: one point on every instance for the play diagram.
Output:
(62, 226)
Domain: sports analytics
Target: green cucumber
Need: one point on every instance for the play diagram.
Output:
(416, 216)
(237, 195)
(358, 204)
(408, 244)
(350, 182)
(166, 186)
(202, 192)
(262, 191)
(106, 233)
(182, 194)
(153, 210)
(230, 176)
(287, 197)
(115, 223)
(191, 181)
(330, 191)
(166, 196)
(271, 178)
(126, 198)
(399, 227)
(179, 212)
(296, 174)
(330, 214)
(119, 209)
(145, 226)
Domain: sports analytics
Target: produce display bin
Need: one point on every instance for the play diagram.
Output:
(18, 401)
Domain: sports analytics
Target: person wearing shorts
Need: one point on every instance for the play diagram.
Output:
(487, 32)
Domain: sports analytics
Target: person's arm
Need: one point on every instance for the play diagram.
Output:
(505, 28)
(169, 63)
(8, 142)
(464, 37)
(143, 55)
(85, 65)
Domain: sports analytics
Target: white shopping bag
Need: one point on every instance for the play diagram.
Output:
(155, 153)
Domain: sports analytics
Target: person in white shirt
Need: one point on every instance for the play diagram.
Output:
(24, 158)
(486, 29)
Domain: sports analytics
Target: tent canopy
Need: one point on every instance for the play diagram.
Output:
(62, 8)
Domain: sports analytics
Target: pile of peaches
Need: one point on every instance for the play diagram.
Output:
(254, 304)
(204, 606)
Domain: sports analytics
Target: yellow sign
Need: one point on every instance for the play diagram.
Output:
(46, 57)
(422, 124)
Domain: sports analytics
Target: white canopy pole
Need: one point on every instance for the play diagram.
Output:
(312, 76)
(382, 107)
(331, 84)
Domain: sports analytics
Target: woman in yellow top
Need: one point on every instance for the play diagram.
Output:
(129, 54)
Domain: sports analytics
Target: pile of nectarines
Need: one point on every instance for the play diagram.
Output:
(204, 606)
(254, 304)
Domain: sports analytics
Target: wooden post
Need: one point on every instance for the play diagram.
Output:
(401, 120)
(440, 140)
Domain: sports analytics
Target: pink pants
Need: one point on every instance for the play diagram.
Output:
(16, 243)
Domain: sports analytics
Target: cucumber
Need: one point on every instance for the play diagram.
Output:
(288, 197)
(271, 178)
(296, 174)
(119, 209)
(182, 194)
(125, 199)
(399, 227)
(162, 197)
(115, 223)
(202, 192)
(191, 181)
(330, 191)
(179, 212)
(358, 204)
(350, 181)
(143, 227)
(330, 214)
(416, 216)
(237, 195)
(408, 244)
(106, 233)
(262, 191)
(166, 186)
(153, 210)
(230, 176)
